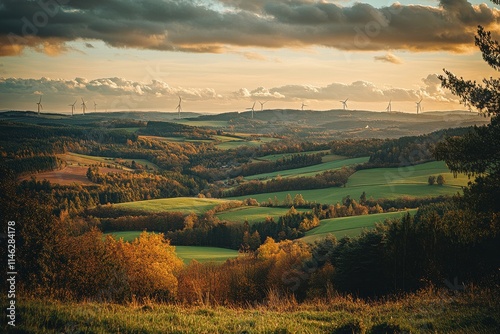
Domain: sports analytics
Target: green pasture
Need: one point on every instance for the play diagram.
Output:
(182, 204)
(378, 183)
(350, 226)
(204, 254)
(186, 253)
(205, 123)
(252, 214)
(228, 145)
(309, 170)
(110, 160)
(274, 157)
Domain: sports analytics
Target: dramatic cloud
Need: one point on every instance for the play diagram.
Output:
(388, 58)
(221, 26)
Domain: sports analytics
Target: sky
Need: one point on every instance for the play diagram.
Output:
(224, 55)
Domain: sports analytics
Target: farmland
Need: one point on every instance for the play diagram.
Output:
(350, 226)
(309, 170)
(378, 183)
(252, 214)
(186, 253)
(275, 157)
(182, 204)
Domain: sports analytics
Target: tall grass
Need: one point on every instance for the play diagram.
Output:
(427, 311)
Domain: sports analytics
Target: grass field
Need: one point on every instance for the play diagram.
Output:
(274, 157)
(186, 253)
(182, 204)
(387, 183)
(205, 254)
(424, 312)
(177, 139)
(309, 170)
(252, 214)
(350, 226)
(236, 142)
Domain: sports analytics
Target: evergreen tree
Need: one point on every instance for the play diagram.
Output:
(478, 152)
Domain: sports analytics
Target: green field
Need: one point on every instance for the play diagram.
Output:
(252, 214)
(186, 253)
(274, 157)
(350, 226)
(204, 254)
(387, 183)
(182, 204)
(236, 142)
(111, 161)
(309, 170)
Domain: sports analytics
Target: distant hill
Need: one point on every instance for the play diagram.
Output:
(305, 124)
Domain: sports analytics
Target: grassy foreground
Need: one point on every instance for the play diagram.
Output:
(426, 312)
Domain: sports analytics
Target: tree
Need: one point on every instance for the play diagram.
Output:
(431, 180)
(440, 180)
(462, 154)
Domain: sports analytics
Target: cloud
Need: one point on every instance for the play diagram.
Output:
(388, 58)
(360, 91)
(104, 86)
(225, 25)
(88, 45)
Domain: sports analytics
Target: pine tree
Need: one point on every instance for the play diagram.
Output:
(478, 152)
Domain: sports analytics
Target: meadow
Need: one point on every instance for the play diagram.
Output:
(274, 157)
(186, 253)
(181, 204)
(252, 214)
(350, 226)
(309, 170)
(388, 183)
(422, 312)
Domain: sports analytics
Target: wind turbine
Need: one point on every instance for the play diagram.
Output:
(303, 105)
(95, 107)
(179, 108)
(419, 106)
(389, 106)
(84, 106)
(72, 107)
(39, 105)
(344, 103)
(252, 109)
(262, 105)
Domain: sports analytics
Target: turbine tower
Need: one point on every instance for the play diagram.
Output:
(72, 107)
(419, 106)
(262, 105)
(179, 107)
(84, 106)
(39, 105)
(252, 109)
(389, 107)
(344, 103)
(95, 107)
(303, 105)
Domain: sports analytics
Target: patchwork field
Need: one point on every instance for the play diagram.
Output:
(252, 214)
(309, 170)
(387, 183)
(350, 226)
(182, 204)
